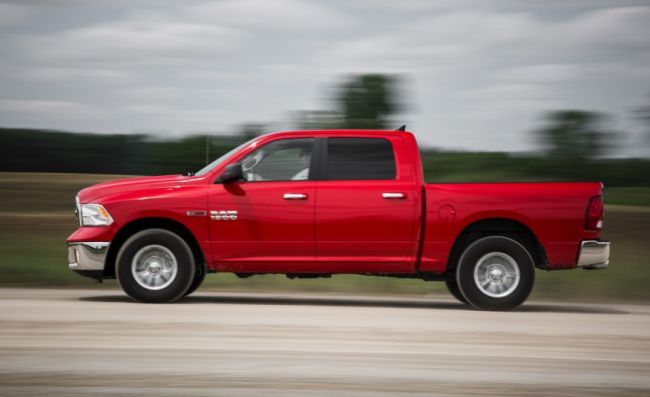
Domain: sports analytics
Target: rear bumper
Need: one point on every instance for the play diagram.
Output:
(594, 255)
(87, 256)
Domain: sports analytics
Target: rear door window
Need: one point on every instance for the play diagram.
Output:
(360, 159)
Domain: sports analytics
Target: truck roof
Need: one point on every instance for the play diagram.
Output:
(359, 132)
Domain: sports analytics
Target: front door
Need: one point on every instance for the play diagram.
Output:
(266, 222)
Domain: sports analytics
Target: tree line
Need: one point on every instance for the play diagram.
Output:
(30, 150)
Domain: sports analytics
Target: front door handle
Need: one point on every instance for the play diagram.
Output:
(294, 196)
(391, 195)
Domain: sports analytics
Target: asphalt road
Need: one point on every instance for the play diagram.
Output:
(96, 342)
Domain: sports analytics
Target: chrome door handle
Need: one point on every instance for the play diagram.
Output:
(294, 196)
(389, 195)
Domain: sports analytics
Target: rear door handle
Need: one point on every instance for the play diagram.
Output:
(294, 196)
(391, 195)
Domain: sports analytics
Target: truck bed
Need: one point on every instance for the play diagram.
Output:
(554, 212)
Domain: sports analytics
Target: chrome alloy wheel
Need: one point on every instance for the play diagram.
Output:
(496, 274)
(154, 267)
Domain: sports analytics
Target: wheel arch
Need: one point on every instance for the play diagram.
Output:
(497, 226)
(138, 225)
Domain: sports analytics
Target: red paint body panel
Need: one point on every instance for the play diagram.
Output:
(343, 226)
(270, 234)
(133, 199)
(358, 231)
(554, 212)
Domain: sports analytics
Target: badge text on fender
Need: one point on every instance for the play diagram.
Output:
(222, 215)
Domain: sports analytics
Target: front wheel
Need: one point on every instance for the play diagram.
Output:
(199, 276)
(495, 273)
(155, 266)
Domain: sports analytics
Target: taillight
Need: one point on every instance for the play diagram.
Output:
(595, 212)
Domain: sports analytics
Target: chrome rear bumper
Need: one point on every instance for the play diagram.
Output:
(87, 255)
(594, 255)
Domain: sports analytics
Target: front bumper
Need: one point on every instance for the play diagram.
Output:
(87, 256)
(594, 255)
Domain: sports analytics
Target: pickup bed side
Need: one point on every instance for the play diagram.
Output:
(550, 215)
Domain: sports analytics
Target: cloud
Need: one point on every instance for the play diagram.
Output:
(62, 109)
(72, 74)
(269, 15)
(479, 73)
(12, 14)
(142, 37)
(539, 73)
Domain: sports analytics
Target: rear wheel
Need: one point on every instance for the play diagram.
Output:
(495, 273)
(198, 280)
(452, 286)
(154, 266)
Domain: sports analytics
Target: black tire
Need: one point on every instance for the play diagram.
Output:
(199, 276)
(504, 251)
(138, 245)
(452, 286)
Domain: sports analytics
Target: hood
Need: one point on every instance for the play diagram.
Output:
(96, 192)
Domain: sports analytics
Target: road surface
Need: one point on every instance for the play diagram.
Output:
(97, 342)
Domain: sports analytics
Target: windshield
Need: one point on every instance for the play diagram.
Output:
(223, 158)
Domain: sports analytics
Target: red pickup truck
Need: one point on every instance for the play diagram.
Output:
(317, 203)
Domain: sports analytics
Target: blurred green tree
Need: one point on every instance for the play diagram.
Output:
(574, 136)
(368, 101)
(249, 131)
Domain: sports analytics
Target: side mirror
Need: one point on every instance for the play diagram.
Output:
(232, 173)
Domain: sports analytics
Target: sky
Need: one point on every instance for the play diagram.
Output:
(476, 74)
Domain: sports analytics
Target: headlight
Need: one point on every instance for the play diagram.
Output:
(95, 215)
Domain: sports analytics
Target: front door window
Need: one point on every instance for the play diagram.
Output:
(285, 160)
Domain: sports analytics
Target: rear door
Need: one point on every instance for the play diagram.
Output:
(367, 210)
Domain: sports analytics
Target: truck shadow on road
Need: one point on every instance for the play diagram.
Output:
(366, 302)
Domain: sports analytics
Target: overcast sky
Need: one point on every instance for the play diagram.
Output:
(477, 74)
